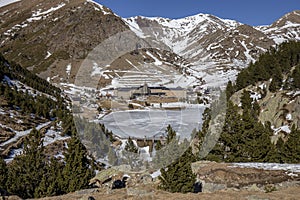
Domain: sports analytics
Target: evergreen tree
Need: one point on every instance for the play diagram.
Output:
(246, 101)
(52, 180)
(158, 145)
(171, 134)
(279, 148)
(230, 89)
(178, 177)
(3, 173)
(26, 171)
(296, 77)
(130, 146)
(256, 110)
(291, 148)
(77, 171)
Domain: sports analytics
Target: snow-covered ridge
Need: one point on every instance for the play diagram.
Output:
(181, 33)
(7, 2)
(187, 23)
(99, 7)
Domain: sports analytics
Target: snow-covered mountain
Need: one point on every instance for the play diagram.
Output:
(217, 48)
(52, 38)
(285, 29)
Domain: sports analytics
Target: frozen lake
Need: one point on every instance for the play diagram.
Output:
(153, 123)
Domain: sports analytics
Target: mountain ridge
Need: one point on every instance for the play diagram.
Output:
(215, 47)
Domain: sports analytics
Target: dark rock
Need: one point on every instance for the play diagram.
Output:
(197, 187)
(118, 184)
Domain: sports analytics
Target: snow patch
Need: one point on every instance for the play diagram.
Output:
(48, 55)
(7, 2)
(39, 14)
(285, 128)
(52, 136)
(20, 134)
(99, 7)
(155, 174)
(68, 69)
(270, 166)
(157, 62)
(289, 117)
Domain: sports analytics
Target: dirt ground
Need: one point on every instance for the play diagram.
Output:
(292, 193)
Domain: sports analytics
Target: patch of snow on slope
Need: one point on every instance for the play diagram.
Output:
(99, 6)
(52, 136)
(23, 133)
(48, 55)
(247, 52)
(96, 69)
(7, 2)
(37, 15)
(285, 128)
(255, 96)
(135, 27)
(289, 117)
(271, 166)
(132, 65)
(68, 69)
(157, 62)
(155, 174)
(13, 154)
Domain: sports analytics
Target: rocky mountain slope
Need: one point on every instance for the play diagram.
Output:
(47, 36)
(216, 45)
(52, 38)
(284, 29)
(27, 102)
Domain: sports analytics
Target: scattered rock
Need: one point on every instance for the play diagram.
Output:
(255, 197)
(254, 188)
(147, 179)
(211, 187)
(138, 192)
(87, 191)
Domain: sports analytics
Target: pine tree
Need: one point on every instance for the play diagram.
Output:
(130, 146)
(171, 134)
(25, 172)
(246, 101)
(178, 176)
(291, 149)
(3, 174)
(279, 158)
(158, 145)
(296, 77)
(230, 89)
(77, 171)
(51, 182)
